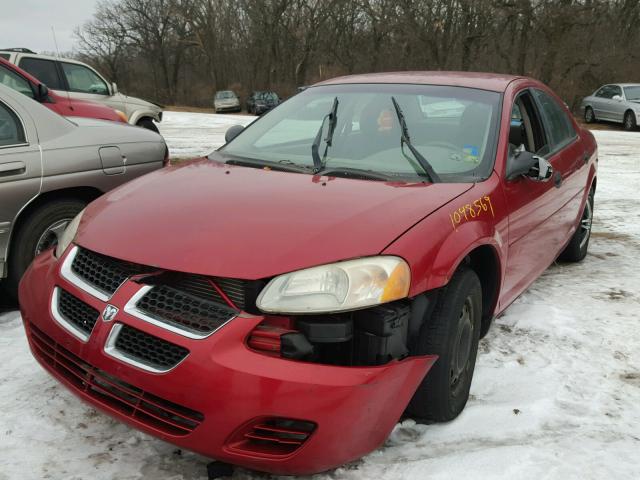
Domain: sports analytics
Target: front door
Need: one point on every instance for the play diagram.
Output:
(534, 235)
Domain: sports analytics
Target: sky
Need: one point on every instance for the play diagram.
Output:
(27, 23)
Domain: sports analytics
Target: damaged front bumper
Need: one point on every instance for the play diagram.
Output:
(222, 400)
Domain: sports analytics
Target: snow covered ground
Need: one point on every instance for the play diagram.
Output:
(556, 393)
(191, 135)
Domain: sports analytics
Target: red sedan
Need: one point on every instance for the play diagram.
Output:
(17, 79)
(282, 303)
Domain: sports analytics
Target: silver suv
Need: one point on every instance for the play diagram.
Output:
(50, 168)
(82, 82)
(618, 103)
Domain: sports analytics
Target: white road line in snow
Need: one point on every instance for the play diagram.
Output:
(555, 394)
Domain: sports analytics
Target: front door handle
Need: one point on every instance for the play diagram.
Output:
(557, 179)
(12, 168)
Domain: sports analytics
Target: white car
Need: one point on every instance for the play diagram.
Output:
(80, 81)
(226, 100)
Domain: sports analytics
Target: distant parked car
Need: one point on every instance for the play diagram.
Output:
(260, 102)
(618, 103)
(17, 79)
(226, 100)
(50, 168)
(79, 81)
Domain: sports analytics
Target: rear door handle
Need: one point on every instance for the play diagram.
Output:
(12, 168)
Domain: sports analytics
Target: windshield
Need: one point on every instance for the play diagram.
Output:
(453, 128)
(632, 93)
(225, 94)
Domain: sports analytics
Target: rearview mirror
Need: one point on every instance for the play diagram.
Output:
(233, 132)
(42, 92)
(529, 165)
(114, 88)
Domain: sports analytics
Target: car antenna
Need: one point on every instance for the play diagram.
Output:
(55, 42)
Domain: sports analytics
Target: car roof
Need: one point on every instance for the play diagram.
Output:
(30, 54)
(485, 81)
(625, 84)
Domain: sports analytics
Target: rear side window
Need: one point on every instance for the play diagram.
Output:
(11, 130)
(5, 56)
(84, 80)
(44, 70)
(14, 81)
(559, 126)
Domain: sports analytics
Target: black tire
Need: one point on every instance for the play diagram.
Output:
(589, 116)
(629, 122)
(444, 392)
(30, 234)
(577, 248)
(148, 124)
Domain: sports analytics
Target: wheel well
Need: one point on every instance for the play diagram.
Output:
(87, 194)
(484, 262)
(631, 112)
(145, 117)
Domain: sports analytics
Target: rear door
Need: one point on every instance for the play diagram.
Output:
(568, 157)
(20, 168)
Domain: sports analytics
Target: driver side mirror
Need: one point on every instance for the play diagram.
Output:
(527, 164)
(233, 132)
(617, 97)
(42, 92)
(114, 88)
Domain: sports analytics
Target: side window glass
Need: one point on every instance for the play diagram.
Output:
(615, 90)
(558, 123)
(15, 81)
(525, 113)
(84, 80)
(43, 70)
(5, 56)
(11, 131)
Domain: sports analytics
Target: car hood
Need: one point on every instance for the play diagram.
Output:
(139, 102)
(240, 222)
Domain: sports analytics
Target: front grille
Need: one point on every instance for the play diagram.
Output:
(107, 390)
(184, 310)
(272, 436)
(148, 350)
(201, 286)
(104, 273)
(76, 312)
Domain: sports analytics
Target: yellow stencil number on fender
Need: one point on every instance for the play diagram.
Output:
(479, 208)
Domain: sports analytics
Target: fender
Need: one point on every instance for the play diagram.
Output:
(436, 247)
(139, 114)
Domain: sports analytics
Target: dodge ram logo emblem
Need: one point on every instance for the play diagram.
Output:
(109, 313)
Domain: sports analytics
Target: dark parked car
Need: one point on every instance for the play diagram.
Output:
(261, 102)
(328, 270)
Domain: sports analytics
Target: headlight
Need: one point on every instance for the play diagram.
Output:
(337, 287)
(123, 116)
(69, 234)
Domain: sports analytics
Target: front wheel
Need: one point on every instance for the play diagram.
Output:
(39, 232)
(452, 333)
(629, 121)
(148, 124)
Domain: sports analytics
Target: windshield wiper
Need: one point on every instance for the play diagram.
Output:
(406, 139)
(355, 173)
(318, 163)
(283, 165)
